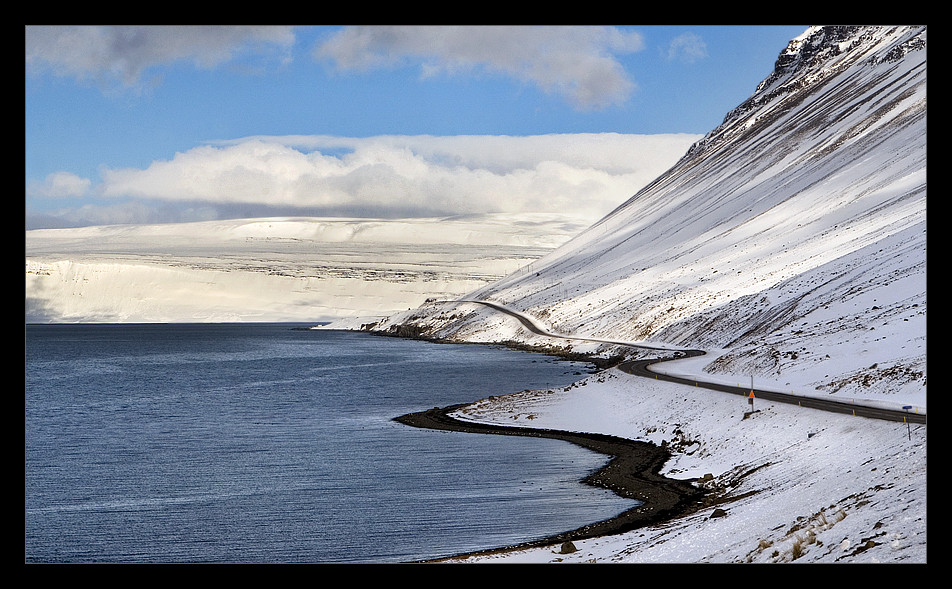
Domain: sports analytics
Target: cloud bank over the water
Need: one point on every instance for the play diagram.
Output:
(383, 176)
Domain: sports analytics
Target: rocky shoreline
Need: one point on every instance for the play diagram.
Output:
(632, 472)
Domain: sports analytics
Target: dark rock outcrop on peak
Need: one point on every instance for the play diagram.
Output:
(813, 56)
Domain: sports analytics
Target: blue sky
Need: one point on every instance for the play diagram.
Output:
(290, 119)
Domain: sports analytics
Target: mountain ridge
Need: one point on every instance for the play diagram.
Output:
(790, 240)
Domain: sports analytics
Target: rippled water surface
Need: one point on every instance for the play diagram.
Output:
(265, 443)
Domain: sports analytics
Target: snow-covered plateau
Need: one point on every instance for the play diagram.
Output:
(790, 245)
(285, 269)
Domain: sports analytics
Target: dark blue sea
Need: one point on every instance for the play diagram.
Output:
(262, 443)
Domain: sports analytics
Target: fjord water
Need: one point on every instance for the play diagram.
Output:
(265, 443)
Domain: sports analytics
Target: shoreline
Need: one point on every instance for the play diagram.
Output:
(631, 472)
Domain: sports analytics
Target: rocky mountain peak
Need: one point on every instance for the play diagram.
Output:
(811, 58)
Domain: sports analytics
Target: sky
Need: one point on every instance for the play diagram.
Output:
(161, 124)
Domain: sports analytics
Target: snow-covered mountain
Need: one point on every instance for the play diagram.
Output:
(790, 241)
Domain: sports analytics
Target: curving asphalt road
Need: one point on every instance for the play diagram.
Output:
(634, 468)
(641, 368)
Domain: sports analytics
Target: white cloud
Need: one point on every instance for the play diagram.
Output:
(389, 176)
(577, 62)
(124, 53)
(60, 185)
(687, 48)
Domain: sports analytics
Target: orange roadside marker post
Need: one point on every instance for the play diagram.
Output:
(750, 398)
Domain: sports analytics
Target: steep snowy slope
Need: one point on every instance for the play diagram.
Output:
(790, 241)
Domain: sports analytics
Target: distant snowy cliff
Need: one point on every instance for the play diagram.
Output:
(303, 269)
(790, 241)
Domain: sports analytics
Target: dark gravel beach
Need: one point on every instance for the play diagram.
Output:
(632, 472)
